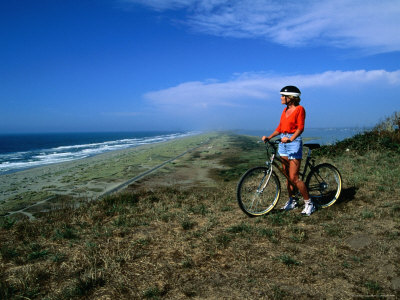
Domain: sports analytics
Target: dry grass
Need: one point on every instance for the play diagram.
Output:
(192, 241)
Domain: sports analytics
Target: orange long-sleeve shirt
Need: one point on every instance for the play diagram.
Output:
(293, 122)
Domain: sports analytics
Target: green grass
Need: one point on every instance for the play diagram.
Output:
(288, 260)
(383, 137)
(187, 224)
(22, 200)
(152, 293)
(7, 222)
(156, 242)
(240, 228)
(65, 232)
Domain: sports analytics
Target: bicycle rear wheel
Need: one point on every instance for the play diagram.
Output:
(258, 191)
(324, 184)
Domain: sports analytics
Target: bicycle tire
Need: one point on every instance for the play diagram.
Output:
(324, 184)
(251, 199)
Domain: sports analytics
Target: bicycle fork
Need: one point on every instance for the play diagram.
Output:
(269, 165)
(264, 182)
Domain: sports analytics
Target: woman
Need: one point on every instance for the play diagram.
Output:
(290, 149)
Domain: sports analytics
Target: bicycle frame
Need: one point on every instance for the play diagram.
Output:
(275, 156)
(259, 188)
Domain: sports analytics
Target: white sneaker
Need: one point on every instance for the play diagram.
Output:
(291, 204)
(309, 208)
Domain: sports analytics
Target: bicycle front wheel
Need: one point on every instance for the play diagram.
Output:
(258, 191)
(324, 184)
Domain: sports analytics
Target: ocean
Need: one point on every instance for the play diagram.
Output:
(323, 136)
(23, 151)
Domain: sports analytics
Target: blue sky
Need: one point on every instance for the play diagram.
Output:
(129, 65)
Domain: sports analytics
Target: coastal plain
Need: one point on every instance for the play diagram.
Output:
(89, 178)
(178, 232)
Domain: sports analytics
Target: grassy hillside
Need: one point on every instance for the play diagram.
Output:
(179, 234)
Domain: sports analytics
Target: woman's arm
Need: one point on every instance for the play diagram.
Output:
(275, 133)
(293, 137)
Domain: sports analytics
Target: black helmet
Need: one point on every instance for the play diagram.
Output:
(290, 90)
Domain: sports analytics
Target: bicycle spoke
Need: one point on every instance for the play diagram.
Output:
(258, 191)
(254, 200)
(324, 184)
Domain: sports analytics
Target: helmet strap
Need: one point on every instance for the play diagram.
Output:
(288, 102)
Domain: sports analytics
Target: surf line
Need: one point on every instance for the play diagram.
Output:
(113, 190)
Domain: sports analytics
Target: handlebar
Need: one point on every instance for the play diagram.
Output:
(273, 144)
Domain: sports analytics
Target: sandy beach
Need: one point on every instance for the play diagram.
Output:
(89, 178)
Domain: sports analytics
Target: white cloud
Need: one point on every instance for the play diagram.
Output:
(246, 89)
(204, 94)
(370, 25)
(331, 98)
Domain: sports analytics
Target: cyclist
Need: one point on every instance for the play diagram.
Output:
(290, 127)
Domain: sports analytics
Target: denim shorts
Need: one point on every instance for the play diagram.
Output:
(293, 150)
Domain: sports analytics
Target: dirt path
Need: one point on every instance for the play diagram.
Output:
(44, 204)
(136, 178)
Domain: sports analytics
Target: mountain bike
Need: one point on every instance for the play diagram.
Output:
(259, 188)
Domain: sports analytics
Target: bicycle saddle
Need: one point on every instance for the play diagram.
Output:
(312, 146)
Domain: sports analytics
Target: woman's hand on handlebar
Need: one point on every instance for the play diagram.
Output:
(266, 139)
(285, 140)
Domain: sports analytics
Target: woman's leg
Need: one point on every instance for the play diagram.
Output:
(294, 169)
(286, 168)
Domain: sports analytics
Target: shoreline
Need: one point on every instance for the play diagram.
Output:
(48, 152)
(90, 177)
